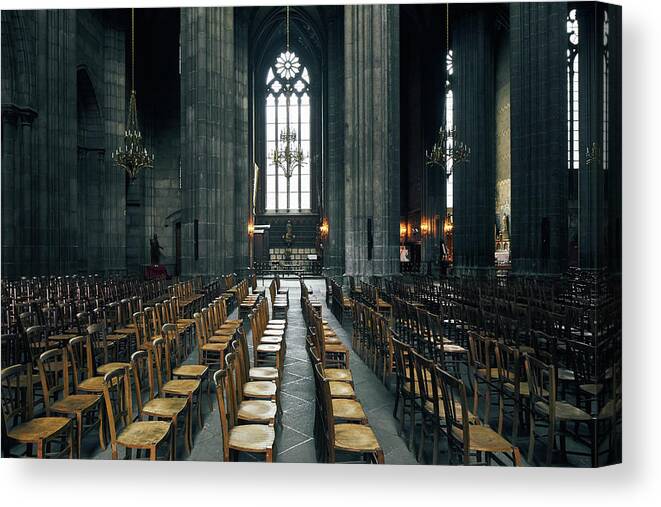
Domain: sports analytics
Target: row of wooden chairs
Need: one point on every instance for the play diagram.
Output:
(268, 337)
(248, 403)
(340, 304)
(341, 425)
(279, 300)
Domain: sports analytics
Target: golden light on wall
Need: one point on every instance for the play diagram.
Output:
(324, 229)
(424, 227)
(448, 225)
(251, 228)
(402, 230)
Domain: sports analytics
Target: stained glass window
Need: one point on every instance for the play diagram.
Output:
(288, 107)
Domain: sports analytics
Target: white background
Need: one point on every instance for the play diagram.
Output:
(636, 482)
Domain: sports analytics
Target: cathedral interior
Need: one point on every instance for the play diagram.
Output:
(340, 233)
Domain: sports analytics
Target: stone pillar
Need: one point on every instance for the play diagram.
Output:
(9, 189)
(242, 188)
(474, 108)
(56, 235)
(592, 176)
(614, 150)
(434, 180)
(208, 108)
(371, 64)
(539, 137)
(334, 173)
(114, 117)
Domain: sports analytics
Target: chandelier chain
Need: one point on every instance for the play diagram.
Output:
(287, 28)
(132, 49)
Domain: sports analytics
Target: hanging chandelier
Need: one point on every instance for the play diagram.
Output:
(447, 147)
(287, 155)
(133, 156)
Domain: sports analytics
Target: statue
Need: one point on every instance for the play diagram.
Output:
(155, 250)
(288, 237)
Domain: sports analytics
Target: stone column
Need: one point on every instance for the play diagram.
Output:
(474, 108)
(208, 108)
(371, 63)
(434, 180)
(334, 173)
(55, 234)
(614, 150)
(114, 117)
(539, 137)
(242, 188)
(592, 176)
(9, 188)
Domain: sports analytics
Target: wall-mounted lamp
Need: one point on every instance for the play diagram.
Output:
(402, 231)
(448, 225)
(424, 227)
(324, 228)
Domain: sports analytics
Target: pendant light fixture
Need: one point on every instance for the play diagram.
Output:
(133, 155)
(447, 148)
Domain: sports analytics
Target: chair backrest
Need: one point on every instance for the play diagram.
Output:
(424, 370)
(162, 370)
(118, 401)
(54, 375)
(480, 351)
(403, 364)
(16, 397)
(226, 424)
(98, 340)
(508, 362)
(171, 336)
(542, 383)
(82, 363)
(584, 361)
(37, 342)
(455, 405)
(233, 387)
(141, 365)
(326, 407)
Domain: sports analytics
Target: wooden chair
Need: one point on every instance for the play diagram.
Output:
(511, 387)
(465, 435)
(140, 435)
(263, 373)
(483, 370)
(209, 353)
(18, 426)
(431, 403)
(183, 388)
(160, 408)
(546, 408)
(252, 438)
(98, 340)
(265, 352)
(339, 388)
(55, 381)
(261, 411)
(346, 437)
(406, 389)
(186, 371)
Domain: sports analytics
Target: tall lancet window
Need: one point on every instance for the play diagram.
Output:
(449, 124)
(288, 112)
(572, 91)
